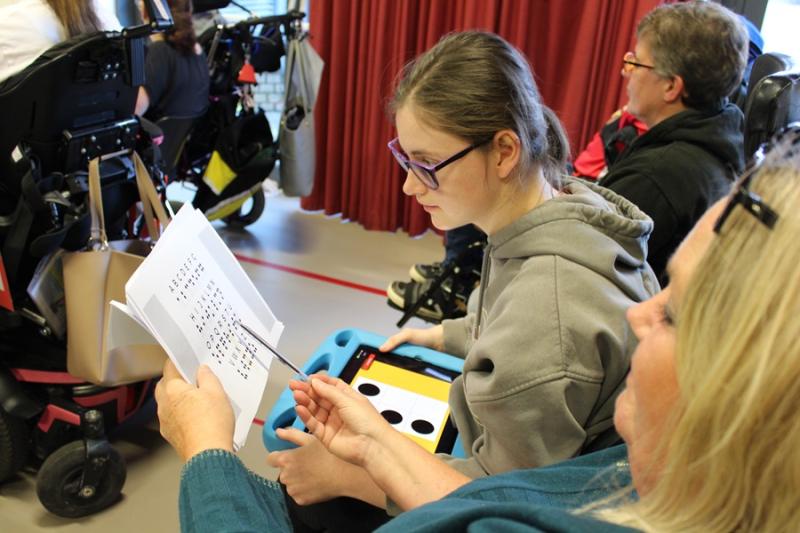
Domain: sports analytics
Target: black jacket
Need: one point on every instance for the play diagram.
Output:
(176, 84)
(676, 170)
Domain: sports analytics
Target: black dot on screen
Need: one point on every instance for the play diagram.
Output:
(393, 417)
(369, 389)
(422, 426)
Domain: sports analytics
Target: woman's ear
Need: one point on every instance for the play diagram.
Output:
(507, 147)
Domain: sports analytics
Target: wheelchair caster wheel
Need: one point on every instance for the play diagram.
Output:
(244, 216)
(61, 484)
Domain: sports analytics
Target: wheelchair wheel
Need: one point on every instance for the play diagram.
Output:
(14, 445)
(249, 212)
(60, 477)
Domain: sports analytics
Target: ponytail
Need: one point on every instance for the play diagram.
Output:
(554, 165)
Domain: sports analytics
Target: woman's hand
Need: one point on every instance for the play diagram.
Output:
(192, 418)
(347, 424)
(312, 474)
(429, 337)
(343, 420)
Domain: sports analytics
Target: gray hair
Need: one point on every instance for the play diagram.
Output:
(702, 42)
(473, 84)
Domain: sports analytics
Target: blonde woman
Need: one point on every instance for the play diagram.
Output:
(721, 455)
(709, 413)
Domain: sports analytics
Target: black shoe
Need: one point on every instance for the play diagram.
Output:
(439, 305)
(422, 272)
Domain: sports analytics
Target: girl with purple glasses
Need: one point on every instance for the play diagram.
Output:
(546, 345)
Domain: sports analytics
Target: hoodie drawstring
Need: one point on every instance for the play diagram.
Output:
(486, 268)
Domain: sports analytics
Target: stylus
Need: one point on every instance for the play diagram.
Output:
(437, 374)
(280, 357)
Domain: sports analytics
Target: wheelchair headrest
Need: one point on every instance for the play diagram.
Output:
(772, 104)
(80, 83)
(769, 63)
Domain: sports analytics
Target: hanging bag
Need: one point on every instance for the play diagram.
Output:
(296, 136)
(94, 277)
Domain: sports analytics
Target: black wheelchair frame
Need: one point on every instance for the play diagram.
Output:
(232, 125)
(74, 103)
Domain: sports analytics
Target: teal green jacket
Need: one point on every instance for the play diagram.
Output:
(218, 494)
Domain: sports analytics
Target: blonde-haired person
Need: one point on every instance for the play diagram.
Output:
(709, 413)
(547, 348)
(718, 451)
(30, 27)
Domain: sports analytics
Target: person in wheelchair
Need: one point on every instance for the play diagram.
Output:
(689, 57)
(29, 27)
(176, 70)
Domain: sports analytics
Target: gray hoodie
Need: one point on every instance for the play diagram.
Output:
(548, 348)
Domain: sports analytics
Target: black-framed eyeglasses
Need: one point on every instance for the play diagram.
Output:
(750, 201)
(629, 63)
(424, 172)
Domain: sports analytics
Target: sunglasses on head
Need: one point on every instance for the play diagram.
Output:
(750, 201)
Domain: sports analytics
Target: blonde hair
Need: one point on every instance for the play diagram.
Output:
(77, 16)
(473, 84)
(731, 461)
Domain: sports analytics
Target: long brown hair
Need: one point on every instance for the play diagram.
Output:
(182, 36)
(77, 16)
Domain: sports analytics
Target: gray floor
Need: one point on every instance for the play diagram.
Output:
(311, 309)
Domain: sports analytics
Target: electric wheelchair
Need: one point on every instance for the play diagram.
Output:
(73, 104)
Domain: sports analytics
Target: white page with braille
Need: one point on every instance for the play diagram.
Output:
(191, 293)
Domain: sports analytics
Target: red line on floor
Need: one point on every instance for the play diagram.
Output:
(311, 275)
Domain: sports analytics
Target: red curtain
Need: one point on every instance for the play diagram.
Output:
(574, 46)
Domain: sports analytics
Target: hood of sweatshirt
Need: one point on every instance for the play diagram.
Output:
(593, 218)
(718, 132)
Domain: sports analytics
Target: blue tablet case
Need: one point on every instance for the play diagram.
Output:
(332, 356)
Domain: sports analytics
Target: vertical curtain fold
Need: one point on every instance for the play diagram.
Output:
(574, 46)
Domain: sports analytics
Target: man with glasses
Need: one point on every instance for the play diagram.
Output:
(688, 58)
